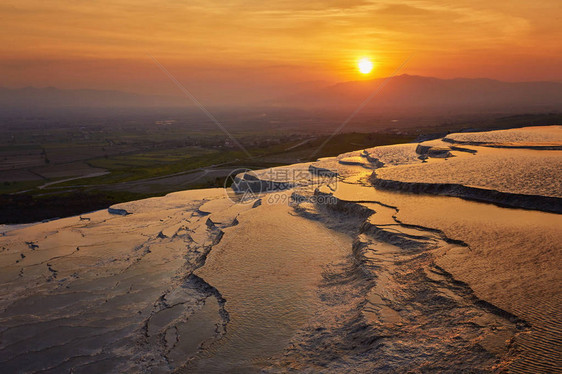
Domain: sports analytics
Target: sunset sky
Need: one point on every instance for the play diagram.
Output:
(260, 46)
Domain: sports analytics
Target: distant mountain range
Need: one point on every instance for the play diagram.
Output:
(409, 92)
(400, 93)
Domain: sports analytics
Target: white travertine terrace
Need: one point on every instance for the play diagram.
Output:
(439, 256)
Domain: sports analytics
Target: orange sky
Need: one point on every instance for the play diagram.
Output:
(261, 46)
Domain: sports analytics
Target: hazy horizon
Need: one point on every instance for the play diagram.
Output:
(404, 93)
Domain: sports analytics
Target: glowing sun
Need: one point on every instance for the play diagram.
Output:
(365, 66)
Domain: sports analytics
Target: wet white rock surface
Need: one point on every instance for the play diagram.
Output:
(538, 137)
(333, 272)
